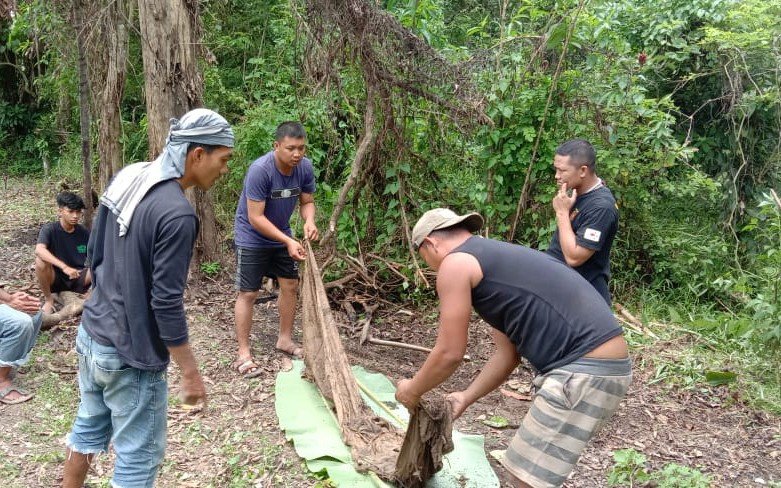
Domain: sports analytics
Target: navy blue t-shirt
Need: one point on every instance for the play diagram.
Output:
(546, 309)
(595, 222)
(136, 304)
(264, 182)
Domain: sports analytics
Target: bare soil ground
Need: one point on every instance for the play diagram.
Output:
(236, 441)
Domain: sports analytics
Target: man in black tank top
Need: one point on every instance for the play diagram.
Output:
(538, 308)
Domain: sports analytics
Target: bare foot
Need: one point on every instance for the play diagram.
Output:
(48, 306)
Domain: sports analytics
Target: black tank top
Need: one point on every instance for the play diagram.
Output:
(549, 311)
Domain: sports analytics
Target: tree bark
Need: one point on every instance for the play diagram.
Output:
(108, 55)
(84, 108)
(170, 33)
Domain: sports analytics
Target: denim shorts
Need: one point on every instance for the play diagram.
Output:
(122, 405)
(18, 332)
(252, 264)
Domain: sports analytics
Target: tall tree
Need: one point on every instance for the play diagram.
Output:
(170, 39)
(108, 55)
(78, 9)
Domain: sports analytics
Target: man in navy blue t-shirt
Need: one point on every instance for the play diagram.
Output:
(265, 245)
(586, 220)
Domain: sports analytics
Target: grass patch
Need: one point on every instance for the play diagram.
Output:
(709, 353)
(8, 470)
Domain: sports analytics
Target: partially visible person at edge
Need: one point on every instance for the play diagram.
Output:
(587, 219)
(134, 320)
(20, 322)
(538, 308)
(61, 251)
(265, 246)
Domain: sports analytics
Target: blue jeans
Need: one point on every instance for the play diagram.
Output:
(121, 404)
(18, 332)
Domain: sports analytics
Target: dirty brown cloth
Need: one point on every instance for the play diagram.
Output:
(429, 437)
(372, 440)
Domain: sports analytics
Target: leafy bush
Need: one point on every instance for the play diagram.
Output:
(629, 470)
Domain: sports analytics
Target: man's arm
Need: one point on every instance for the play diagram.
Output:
(306, 202)
(574, 255)
(192, 388)
(42, 252)
(170, 263)
(503, 361)
(258, 220)
(454, 287)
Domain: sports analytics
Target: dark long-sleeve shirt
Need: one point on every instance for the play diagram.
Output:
(136, 304)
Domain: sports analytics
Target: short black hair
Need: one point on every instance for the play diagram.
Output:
(580, 151)
(70, 200)
(291, 129)
(206, 147)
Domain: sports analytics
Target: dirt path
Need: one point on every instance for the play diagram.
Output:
(236, 441)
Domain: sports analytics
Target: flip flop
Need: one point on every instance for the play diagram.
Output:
(247, 367)
(7, 391)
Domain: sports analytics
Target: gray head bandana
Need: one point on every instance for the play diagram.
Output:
(201, 126)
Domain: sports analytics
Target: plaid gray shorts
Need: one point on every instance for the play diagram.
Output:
(570, 406)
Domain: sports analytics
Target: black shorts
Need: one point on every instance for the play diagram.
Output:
(63, 283)
(252, 264)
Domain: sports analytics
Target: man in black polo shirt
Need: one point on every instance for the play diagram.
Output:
(61, 251)
(538, 308)
(586, 220)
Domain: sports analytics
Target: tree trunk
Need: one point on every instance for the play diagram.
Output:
(108, 55)
(84, 108)
(170, 34)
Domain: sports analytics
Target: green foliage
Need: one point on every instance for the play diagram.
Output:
(676, 476)
(630, 470)
(762, 282)
(680, 97)
(211, 268)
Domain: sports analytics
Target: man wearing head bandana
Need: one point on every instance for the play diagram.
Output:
(134, 320)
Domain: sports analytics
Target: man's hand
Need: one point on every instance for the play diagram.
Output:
(23, 302)
(193, 390)
(458, 403)
(405, 396)
(296, 250)
(562, 202)
(72, 273)
(310, 230)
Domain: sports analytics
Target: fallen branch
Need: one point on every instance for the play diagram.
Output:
(630, 325)
(628, 318)
(341, 281)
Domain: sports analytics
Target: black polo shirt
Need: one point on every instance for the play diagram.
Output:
(595, 222)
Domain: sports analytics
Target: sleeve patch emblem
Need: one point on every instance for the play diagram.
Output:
(592, 235)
